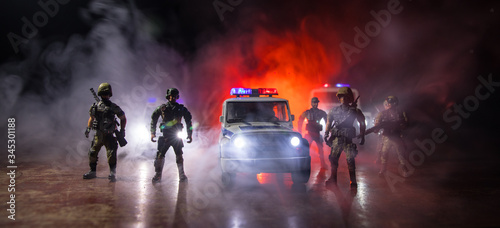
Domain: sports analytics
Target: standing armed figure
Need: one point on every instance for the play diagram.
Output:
(171, 114)
(340, 132)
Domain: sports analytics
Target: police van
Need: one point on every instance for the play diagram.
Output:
(257, 137)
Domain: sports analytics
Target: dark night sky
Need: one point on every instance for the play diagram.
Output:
(430, 54)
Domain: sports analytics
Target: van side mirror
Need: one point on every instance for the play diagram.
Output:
(293, 117)
(221, 119)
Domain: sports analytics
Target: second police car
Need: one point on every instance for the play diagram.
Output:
(257, 137)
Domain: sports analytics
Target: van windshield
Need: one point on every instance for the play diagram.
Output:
(276, 111)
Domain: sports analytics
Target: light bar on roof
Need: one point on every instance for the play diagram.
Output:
(254, 92)
(342, 85)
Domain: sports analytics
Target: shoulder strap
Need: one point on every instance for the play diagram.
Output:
(350, 113)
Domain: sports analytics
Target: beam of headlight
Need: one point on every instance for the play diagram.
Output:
(138, 132)
(323, 123)
(240, 142)
(182, 134)
(295, 141)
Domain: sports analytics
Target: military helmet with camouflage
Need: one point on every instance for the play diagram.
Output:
(346, 92)
(172, 92)
(393, 100)
(104, 89)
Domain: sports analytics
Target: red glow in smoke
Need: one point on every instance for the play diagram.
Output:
(293, 62)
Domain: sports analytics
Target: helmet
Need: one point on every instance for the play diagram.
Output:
(314, 100)
(172, 92)
(104, 89)
(347, 92)
(393, 100)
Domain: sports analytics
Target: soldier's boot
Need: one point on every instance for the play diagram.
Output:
(182, 175)
(92, 173)
(383, 168)
(352, 174)
(112, 173)
(159, 162)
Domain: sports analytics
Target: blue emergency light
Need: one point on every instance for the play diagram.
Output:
(338, 85)
(241, 91)
(253, 92)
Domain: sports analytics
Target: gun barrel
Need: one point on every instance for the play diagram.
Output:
(356, 101)
(95, 95)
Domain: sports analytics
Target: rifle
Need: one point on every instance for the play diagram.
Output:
(355, 103)
(119, 135)
(334, 132)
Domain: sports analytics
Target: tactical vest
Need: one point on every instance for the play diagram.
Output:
(392, 115)
(313, 118)
(171, 115)
(104, 117)
(344, 117)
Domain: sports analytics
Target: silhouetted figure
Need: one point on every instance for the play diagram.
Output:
(313, 127)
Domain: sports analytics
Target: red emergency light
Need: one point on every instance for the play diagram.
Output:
(268, 91)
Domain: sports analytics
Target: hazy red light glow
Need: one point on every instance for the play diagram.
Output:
(293, 62)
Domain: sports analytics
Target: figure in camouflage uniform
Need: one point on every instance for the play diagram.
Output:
(393, 120)
(340, 127)
(313, 127)
(102, 120)
(171, 114)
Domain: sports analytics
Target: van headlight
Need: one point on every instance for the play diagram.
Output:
(239, 142)
(295, 141)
